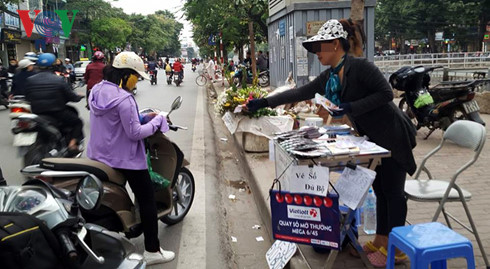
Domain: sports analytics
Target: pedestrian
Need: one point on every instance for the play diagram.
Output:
(94, 72)
(116, 139)
(364, 95)
(13, 64)
(261, 62)
(25, 70)
(210, 68)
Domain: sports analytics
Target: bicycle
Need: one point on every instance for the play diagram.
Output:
(203, 77)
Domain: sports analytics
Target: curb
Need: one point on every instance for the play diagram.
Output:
(298, 261)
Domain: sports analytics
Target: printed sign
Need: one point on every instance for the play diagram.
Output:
(311, 180)
(312, 27)
(280, 253)
(306, 219)
(282, 27)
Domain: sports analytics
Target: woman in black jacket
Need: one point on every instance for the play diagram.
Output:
(360, 89)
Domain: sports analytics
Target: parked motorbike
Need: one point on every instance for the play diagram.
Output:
(40, 136)
(117, 212)
(68, 239)
(437, 107)
(238, 79)
(153, 77)
(178, 78)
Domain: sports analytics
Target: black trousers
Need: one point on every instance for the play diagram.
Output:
(140, 183)
(391, 203)
(69, 118)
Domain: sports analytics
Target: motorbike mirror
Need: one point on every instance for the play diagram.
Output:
(176, 104)
(89, 193)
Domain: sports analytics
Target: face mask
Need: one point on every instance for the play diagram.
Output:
(131, 83)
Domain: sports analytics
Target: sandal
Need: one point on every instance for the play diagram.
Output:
(378, 259)
(369, 247)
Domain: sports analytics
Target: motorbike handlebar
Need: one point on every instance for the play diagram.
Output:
(67, 245)
(176, 127)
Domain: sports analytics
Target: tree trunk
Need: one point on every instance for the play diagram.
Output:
(357, 11)
(252, 47)
(432, 40)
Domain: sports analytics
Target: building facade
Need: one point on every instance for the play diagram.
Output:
(291, 22)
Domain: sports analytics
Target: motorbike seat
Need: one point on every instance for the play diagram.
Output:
(98, 169)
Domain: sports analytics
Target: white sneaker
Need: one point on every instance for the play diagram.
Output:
(161, 256)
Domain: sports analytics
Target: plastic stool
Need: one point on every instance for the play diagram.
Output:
(429, 243)
(358, 211)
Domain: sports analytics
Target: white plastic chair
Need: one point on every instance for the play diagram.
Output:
(466, 134)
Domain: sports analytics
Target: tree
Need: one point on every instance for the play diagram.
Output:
(109, 33)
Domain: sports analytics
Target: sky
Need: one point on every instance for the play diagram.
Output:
(146, 7)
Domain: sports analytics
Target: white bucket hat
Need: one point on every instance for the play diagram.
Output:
(330, 30)
(129, 59)
(24, 63)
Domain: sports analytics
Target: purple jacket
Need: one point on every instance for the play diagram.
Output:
(116, 135)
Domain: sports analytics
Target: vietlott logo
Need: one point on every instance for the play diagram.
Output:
(48, 24)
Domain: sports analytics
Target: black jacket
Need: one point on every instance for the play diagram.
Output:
(48, 93)
(19, 82)
(373, 112)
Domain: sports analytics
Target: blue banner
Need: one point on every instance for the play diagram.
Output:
(306, 219)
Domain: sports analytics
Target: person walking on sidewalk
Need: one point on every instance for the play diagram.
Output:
(116, 139)
(364, 95)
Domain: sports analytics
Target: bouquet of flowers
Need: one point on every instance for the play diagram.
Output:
(233, 99)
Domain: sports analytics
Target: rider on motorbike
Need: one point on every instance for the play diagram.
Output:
(116, 139)
(26, 68)
(168, 68)
(48, 95)
(94, 71)
(152, 66)
(179, 69)
(70, 69)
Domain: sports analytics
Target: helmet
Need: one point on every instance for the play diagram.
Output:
(129, 59)
(31, 56)
(24, 63)
(67, 59)
(46, 59)
(98, 55)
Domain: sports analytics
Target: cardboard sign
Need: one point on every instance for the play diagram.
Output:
(280, 253)
(311, 180)
(306, 219)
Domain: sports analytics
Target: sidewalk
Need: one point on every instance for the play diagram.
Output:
(261, 172)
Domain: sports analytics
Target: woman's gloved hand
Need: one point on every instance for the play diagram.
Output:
(346, 108)
(256, 104)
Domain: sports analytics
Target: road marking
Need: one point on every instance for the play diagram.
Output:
(193, 238)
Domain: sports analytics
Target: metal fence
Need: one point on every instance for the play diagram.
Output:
(468, 60)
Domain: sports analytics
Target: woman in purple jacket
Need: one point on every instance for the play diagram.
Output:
(116, 139)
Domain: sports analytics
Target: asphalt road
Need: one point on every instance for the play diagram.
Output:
(203, 238)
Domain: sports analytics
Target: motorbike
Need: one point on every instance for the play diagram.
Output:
(178, 78)
(40, 136)
(153, 77)
(117, 211)
(193, 67)
(435, 107)
(73, 242)
(169, 78)
(238, 79)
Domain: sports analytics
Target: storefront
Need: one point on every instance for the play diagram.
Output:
(10, 34)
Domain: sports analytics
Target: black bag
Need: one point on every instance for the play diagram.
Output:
(26, 242)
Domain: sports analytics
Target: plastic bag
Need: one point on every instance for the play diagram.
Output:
(157, 179)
